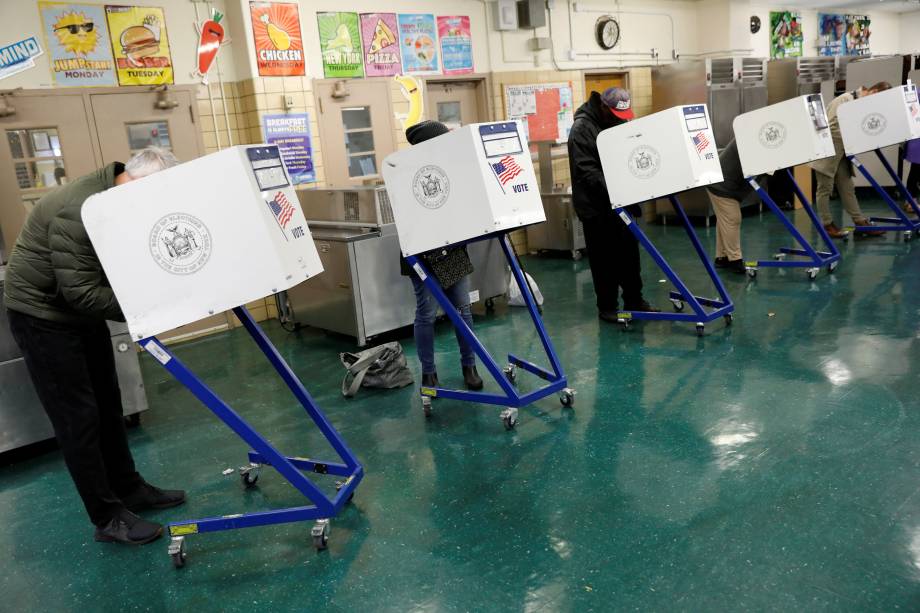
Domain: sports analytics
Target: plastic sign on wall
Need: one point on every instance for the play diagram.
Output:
(278, 39)
(77, 38)
(291, 134)
(456, 44)
(380, 34)
(18, 56)
(140, 45)
(340, 42)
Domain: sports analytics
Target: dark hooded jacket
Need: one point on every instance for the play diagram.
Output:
(53, 272)
(589, 191)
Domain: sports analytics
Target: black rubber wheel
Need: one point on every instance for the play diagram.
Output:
(178, 559)
(249, 479)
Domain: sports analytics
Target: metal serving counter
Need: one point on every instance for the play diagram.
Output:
(362, 292)
(22, 419)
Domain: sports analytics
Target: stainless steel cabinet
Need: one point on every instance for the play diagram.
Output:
(562, 230)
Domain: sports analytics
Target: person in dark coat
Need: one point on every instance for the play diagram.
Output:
(452, 267)
(613, 251)
(58, 301)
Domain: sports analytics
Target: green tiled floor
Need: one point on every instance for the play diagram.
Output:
(769, 466)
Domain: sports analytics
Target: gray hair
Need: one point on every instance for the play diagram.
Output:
(148, 161)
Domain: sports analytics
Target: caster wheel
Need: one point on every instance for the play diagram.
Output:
(249, 475)
(779, 257)
(624, 324)
(426, 406)
(678, 304)
(729, 319)
(177, 552)
(490, 304)
(576, 255)
(812, 274)
(567, 397)
(133, 420)
(832, 267)
(908, 236)
(510, 373)
(700, 329)
(751, 272)
(320, 534)
(509, 418)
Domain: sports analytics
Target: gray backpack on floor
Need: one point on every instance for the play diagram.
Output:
(382, 366)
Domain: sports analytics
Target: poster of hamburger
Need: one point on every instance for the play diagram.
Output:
(140, 45)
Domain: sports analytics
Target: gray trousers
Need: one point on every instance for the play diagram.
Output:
(845, 189)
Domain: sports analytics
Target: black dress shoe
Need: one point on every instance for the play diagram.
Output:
(721, 262)
(471, 378)
(642, 305)
(151, 497)
(736, 266)
(611, 317)
(430, 380)
(129, 529)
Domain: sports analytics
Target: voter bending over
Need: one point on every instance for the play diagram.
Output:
(613, 252)
(58, 300)
(838, 170)
(452, 267)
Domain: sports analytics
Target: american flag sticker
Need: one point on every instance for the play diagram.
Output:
(282, 209)
(700, 142)
(505, 169)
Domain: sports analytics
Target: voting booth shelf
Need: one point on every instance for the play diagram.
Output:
(473, 184)
(777, 138)
(202, 237)
(868, 124)
(659, 156)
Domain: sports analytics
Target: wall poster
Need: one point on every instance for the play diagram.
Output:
(278, 39)
(291, 132)
(381, 44)
(77, 39)
(546, 110)
(456, 44)
(418, 40)
(786, 34)
(857, 40)
(140, 45)
(832, 29)
(340, 43)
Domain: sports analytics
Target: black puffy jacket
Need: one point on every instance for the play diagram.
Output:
(53, 272)
(589, 191)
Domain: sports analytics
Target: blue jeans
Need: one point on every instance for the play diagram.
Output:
(426, 310)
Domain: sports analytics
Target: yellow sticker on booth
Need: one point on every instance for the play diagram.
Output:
(183, 530)
(140, 45)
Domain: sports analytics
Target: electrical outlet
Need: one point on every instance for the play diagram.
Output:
(573, 55)
(288, 101)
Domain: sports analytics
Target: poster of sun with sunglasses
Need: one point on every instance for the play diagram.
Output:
(77, 40)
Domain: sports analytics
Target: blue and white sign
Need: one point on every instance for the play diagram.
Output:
(291, 133)
(18, 56)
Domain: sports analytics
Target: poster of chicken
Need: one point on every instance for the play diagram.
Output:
(340, 41)
(140, 45)
(381, 44)
(77, 40)
(278, 39)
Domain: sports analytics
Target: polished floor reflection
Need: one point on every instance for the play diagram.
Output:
(773, 465)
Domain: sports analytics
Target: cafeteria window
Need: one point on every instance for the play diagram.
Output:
(359, 141)
(37, 161)
(148, 134)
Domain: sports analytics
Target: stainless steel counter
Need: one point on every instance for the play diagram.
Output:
(22, 419)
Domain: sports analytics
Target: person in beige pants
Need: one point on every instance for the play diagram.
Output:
(726, 198)
(838, 170)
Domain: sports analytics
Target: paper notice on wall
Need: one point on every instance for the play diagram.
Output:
(545, 110)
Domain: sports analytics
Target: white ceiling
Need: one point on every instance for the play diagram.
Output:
(898, 6)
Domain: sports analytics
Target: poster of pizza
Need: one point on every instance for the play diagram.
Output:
(278, 39)
(381, 45)
(418, 41)
(340, 42)
(77, 39)
(140, 45)
(456, 44)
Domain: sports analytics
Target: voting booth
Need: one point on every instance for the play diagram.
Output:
(200, 238)
(776, 138)
(879, 120)
(659, 156)
(471, 184)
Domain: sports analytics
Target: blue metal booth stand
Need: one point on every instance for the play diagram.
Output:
(901, 222)
(506, 377)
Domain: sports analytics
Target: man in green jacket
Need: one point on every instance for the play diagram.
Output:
(58, 300)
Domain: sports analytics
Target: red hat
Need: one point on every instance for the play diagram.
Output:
(618, 100)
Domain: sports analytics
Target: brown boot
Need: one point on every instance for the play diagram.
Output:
(866, 233)
(833, 231)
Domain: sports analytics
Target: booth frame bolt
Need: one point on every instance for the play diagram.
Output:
(210, 312)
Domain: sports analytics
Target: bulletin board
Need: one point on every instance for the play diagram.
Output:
(546, 110)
